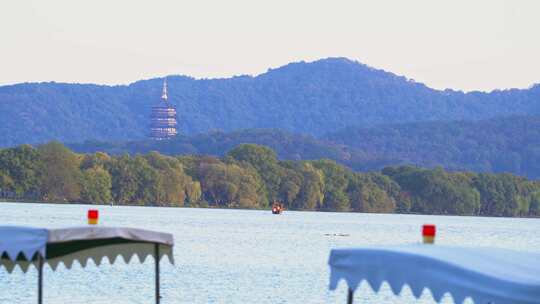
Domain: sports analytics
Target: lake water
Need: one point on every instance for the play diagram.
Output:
(242, 256)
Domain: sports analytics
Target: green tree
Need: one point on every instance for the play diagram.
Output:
(60, 176)
(230, 185)
(171, 182)
(150, 183)
(501, 194)
(193, 192)
(336, 181)
(290, 184)
(126, 179)
(96, 186)
(98, 159)
(311, 194)
(367, 196)
(336, 200)
(534, 203)
(436, 191)
(264, 160)
(6, 183)
(22, 165)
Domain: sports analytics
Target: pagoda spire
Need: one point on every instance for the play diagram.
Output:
(164, 94)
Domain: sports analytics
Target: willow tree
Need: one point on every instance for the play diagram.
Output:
(311, 193)
(336, 180)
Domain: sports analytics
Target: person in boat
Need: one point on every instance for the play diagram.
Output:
(277, 208)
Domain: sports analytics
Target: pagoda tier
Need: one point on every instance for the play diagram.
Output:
(163, 119)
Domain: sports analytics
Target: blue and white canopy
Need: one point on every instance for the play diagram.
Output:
(22, 245)
(486, 275)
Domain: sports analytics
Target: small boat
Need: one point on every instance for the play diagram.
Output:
(277, 208)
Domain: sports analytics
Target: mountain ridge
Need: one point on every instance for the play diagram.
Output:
(270, 70)
(310, 98)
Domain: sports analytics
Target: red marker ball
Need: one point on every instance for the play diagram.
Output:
(93, 216)
(428, 233)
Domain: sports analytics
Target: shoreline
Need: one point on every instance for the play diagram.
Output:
(36, 202)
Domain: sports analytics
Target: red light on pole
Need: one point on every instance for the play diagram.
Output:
(428, 233)
(93, 216)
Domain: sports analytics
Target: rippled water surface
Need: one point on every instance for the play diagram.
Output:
(242, 256)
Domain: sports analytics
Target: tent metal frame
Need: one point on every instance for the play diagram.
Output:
(40, 263)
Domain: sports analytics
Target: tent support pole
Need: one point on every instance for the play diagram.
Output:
(156, 255)
(40, 279)
(350, 296)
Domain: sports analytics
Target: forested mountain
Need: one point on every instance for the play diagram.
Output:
(308, 98)
(510, 144)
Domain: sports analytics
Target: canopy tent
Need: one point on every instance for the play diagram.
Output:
(25, 246)
(486, 275)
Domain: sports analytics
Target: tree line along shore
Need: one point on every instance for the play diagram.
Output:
(251, 176)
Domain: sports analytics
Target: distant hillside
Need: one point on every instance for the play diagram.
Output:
(287, 146)
(497, 145)
(309, 98)
(510, 144)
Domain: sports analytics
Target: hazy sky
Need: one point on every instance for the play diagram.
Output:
(460, 44)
